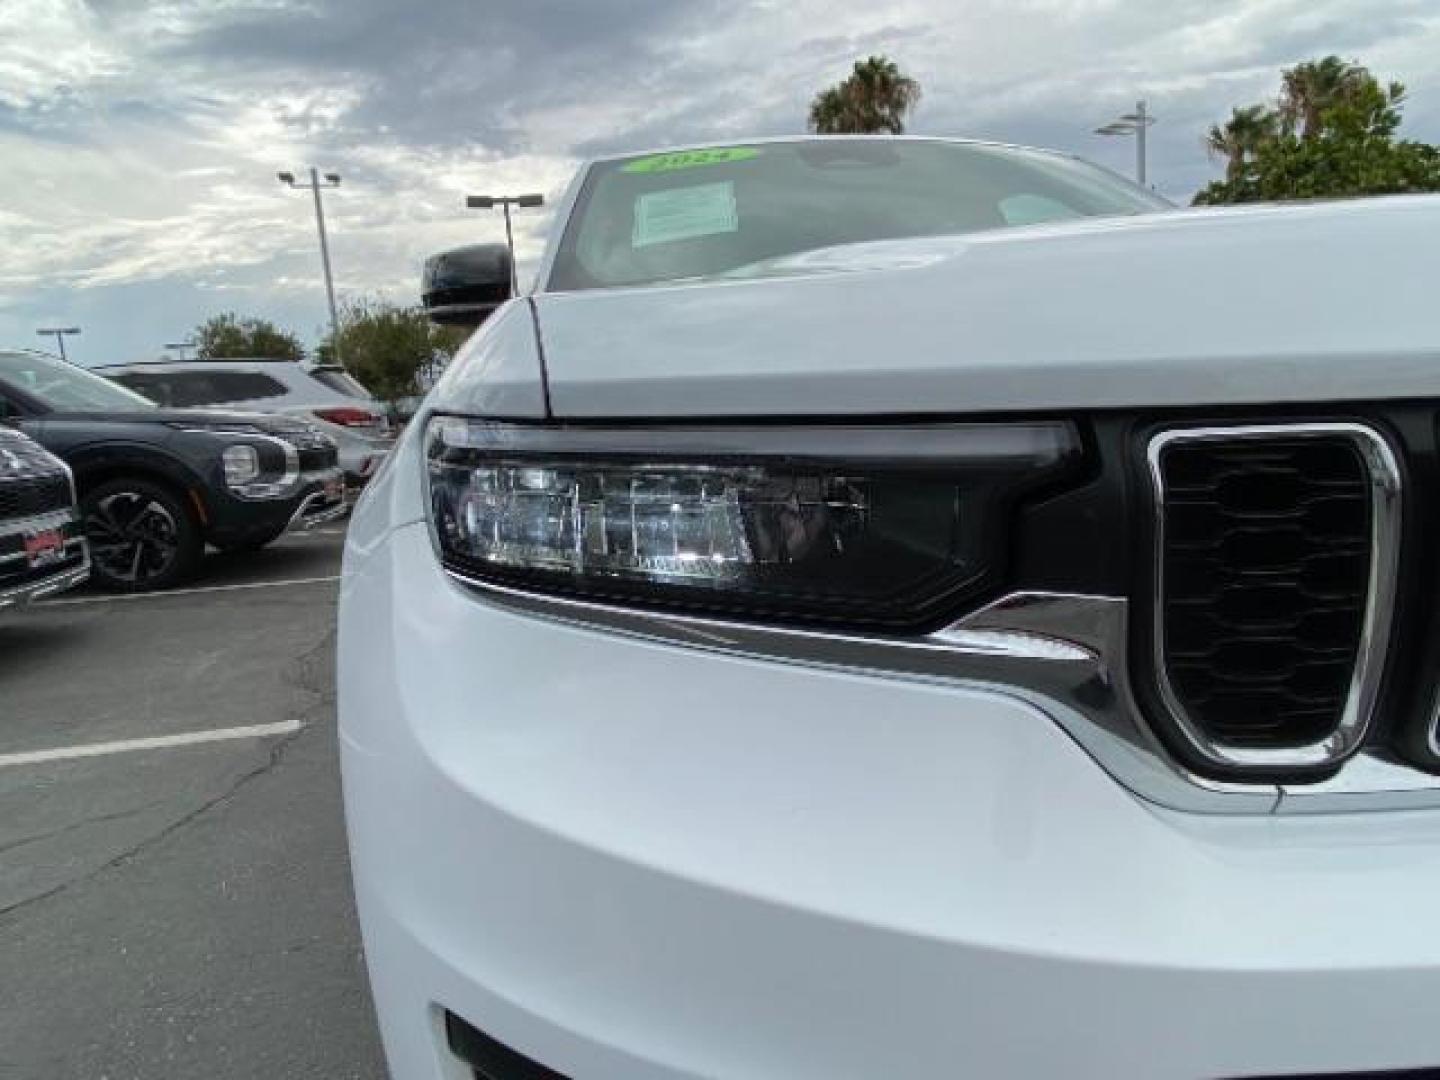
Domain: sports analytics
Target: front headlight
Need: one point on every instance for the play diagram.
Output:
(879, 526)
(241, 464)
(262, 468)
(256, 463)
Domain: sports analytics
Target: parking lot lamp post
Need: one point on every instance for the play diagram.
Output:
(1132, 123)
(58, 333)
(315, 184)
(486, 202)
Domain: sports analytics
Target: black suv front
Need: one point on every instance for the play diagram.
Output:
(156, 485)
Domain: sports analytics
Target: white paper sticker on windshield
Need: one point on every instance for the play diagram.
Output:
(684, 213)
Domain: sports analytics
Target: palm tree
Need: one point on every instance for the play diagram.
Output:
(1241, 137)
(875, 98)
(1309, 90)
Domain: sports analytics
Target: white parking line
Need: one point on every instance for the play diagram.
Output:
(190, 592)
(159, 742)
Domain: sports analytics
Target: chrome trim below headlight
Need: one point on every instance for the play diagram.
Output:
(1063, 653)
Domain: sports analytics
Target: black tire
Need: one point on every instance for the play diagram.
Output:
(252, 543)
(143, 535)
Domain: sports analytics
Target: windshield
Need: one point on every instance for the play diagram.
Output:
(63, 387)
(339, 380)
(700, 213)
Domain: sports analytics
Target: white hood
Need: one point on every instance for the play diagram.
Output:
(1323, 302)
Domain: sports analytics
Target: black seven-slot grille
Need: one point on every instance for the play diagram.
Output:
(1265, 610)
(1266, 566)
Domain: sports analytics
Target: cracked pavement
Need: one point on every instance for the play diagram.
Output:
(185, 911)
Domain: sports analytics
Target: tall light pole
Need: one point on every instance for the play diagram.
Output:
(486, 202)
(1132, 123)
(59, 333)
(332, 180)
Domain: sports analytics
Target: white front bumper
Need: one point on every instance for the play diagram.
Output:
(632, 860)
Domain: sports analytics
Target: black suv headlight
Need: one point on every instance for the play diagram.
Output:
(254, 464)
(860, 524)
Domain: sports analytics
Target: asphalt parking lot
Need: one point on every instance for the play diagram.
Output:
(174, 890)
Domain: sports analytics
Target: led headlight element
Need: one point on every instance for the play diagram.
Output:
(658, 523)
(861, 524)
(263, 468)
(241, 464)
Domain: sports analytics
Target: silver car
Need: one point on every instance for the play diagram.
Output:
(325, 395)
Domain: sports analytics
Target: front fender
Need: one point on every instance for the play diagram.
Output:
(94, 463)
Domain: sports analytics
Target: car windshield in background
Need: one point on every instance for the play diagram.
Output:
(702, 213)
(196, 389)
(341, 381)
(63, 387)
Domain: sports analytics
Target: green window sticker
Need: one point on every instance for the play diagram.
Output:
(662, 217)
(690, 159)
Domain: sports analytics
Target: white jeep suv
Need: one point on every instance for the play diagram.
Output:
(898, 608)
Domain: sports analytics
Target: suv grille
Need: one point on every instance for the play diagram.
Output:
(1266, 546)
(32, 496)
(317, 450)
(31, 480)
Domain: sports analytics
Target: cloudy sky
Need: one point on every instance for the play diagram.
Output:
(139, 141)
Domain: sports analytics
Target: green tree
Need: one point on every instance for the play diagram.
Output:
(1242, 136)
(1309, 90)
(229, 336)
(875, 98)
(392, 350)
(1336, 136)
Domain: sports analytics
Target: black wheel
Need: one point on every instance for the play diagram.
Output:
(254, 542)
(142, 535)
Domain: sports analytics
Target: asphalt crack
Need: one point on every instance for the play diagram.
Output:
(135, 850)
(305, 673)
(75, 826)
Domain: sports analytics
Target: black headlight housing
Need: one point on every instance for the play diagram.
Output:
(862, 525)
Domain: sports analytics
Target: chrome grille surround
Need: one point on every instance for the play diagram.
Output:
(1349, 732)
